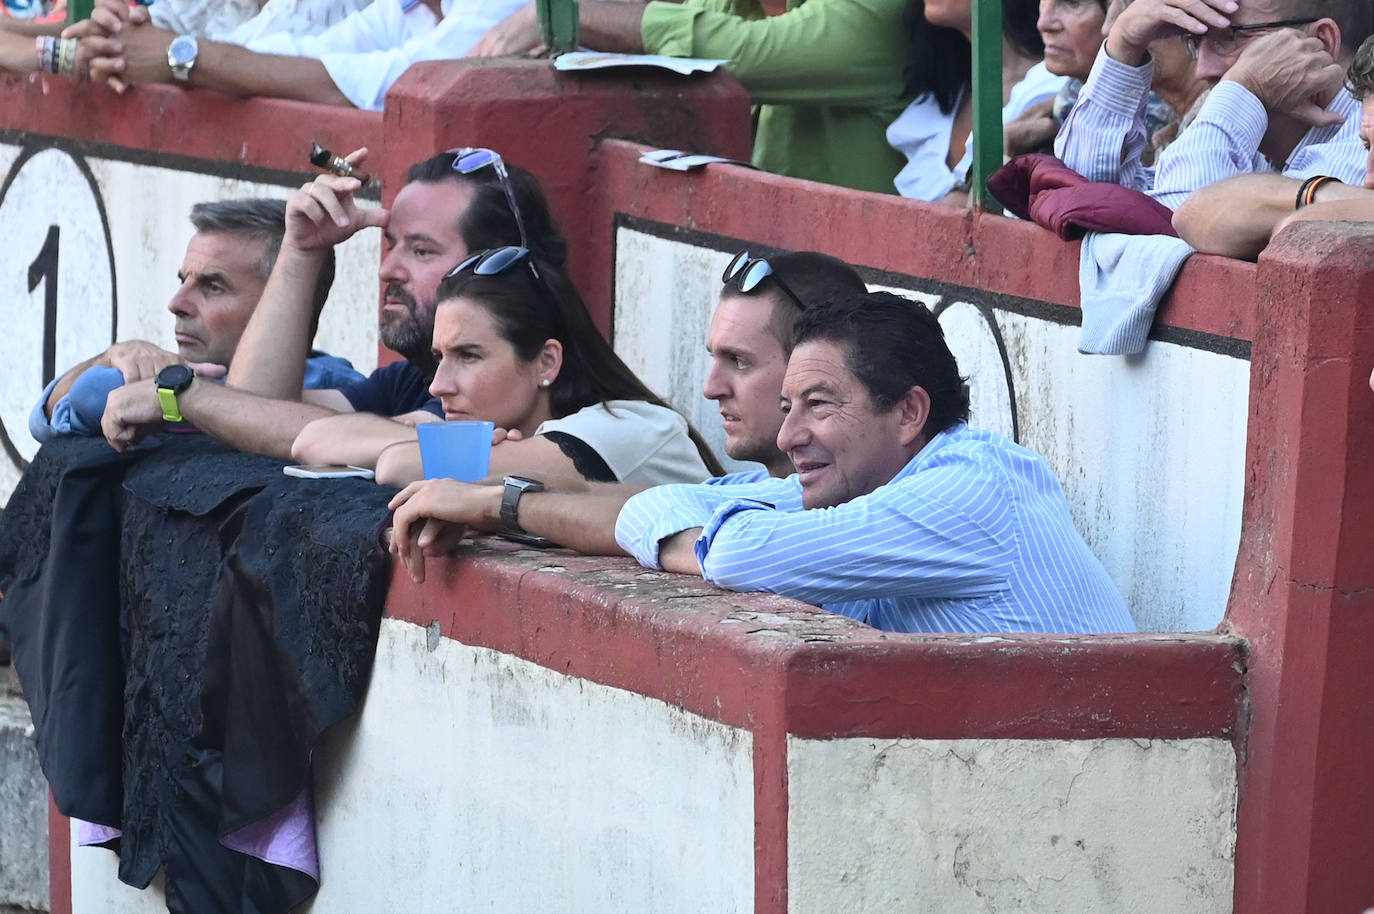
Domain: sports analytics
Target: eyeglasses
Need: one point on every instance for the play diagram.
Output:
(745, 273)
(474, 158)
(1225, 42)
(496, 261)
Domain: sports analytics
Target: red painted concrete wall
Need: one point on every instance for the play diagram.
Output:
(818, 675)
(1304, 587)
(1296, 697)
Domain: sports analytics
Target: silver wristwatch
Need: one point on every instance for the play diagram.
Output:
(181, 56)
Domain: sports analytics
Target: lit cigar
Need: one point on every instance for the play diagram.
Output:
(323, 158)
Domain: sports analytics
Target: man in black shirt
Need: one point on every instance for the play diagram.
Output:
(439, 217)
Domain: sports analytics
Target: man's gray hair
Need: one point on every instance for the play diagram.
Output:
(263, 220)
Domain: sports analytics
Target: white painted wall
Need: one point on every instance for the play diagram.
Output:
(477, 781)
(96, 888)
(1121, 826)
(474, 780)
(1150, 449)
(147, 209)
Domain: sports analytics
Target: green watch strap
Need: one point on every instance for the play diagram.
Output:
(171, 411)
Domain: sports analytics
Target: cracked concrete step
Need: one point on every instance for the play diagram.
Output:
(23, 810)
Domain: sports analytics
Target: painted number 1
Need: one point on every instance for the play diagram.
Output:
(44, 270)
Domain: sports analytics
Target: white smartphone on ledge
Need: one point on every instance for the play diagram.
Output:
(326, 471)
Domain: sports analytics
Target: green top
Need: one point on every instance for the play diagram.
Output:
(827, 77)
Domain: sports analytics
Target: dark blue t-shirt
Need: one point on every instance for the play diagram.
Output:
(392, 390)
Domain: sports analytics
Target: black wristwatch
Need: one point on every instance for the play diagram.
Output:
(516, 486)
(173, 380)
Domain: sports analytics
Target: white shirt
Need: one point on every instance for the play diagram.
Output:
(922, 134)
(202, 18)
(1104, 134)
(294, 17)
(640, 442)
(369, 50)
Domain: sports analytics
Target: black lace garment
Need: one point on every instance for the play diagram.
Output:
(187, 622)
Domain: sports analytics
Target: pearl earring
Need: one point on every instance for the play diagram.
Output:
(544, 383)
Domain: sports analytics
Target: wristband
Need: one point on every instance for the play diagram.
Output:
(66, 59)
(45, 45)
(1307, 190)
(171, 381)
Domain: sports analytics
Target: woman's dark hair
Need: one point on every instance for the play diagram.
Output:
(942, 60)
(528, 311)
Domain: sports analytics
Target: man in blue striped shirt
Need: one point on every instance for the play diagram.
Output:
(1278, 105)
(899, 515)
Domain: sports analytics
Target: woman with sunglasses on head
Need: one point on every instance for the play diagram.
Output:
(516, 346)
(935, 132)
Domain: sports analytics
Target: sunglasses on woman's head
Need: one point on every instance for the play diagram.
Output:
(474, 158)
(496, 261)
(745, 273)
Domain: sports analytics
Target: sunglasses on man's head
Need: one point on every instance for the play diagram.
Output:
(745, 273)
(474, 158)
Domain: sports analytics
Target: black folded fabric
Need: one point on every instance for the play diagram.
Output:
(187, 621)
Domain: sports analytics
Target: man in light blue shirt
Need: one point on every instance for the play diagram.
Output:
(1279, 104)
(222, 276)
(899, 515)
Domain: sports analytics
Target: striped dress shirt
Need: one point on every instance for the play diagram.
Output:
(1104, 134)
(973, 535)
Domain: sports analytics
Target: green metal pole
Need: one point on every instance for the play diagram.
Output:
(987, 100)
(79, 9)
(558, 24)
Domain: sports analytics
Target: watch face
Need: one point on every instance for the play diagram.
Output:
(174, 377)
(182, 50)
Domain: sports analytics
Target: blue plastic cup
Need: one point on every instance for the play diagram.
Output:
(459, 450)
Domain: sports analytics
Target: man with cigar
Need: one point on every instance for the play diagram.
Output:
(438, 217)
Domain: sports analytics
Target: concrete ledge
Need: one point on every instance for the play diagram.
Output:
(23, 810)
(739, 658)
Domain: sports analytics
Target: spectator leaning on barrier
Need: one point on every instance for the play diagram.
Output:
(1279, 104)
(827, 75)
(242, 22)
(748, 340)
(354, 62)
(518, 349)
(1175, 96)
(1237, 217)
(935, 132)
(900, 516)
(438, 218)
(222, 276)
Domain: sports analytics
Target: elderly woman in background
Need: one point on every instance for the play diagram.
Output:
(1073, 31)
(935, 130)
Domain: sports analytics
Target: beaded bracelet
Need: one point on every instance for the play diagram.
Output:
(66, 64)
(45, 46)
